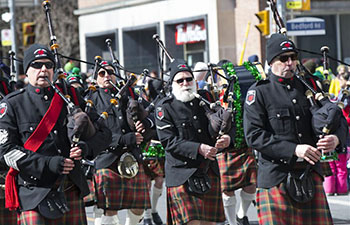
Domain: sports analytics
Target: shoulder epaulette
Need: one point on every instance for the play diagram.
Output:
(264, 81)
(165, 99)
(14, 93)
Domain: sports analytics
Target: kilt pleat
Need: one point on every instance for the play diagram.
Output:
(237, 169)
(6, 216)
(116, 193)
(75, 216)
(183, 207)
(326, 169)
(154, 167)
(276, 208)
(90, 199)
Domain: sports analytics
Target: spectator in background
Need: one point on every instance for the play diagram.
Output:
(253, 58)
(310, 65)
(334, 86)
(199, 72)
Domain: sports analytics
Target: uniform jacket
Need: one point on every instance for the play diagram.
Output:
(181, 128)
(117, 123)
(276, 119)
(20, 114)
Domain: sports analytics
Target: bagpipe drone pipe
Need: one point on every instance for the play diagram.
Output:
(326, 115)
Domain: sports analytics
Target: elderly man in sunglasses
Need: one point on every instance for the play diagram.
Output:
(190, 152)
(277, 123)
(114, 190)
(35, 141)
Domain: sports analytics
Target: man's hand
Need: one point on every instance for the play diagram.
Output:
(68, 165)
(139, 138)
(75, 153)
(328, 143)
(140, 128)
(223, 141)
(309, 153)
(207, 151)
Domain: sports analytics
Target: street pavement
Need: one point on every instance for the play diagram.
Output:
(339, 205)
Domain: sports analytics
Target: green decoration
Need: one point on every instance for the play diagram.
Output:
(237, 103)
(153, 150)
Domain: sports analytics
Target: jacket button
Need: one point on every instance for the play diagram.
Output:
(294, 101)
(300, 135)
(55, 131)
(297, 117)
(191, 103)
(59, 151)
(278, 115)
(195, 117)
(120, 117)
(31, 128)
(45, 97)
(199, 131)
(183, 124)
(288, 87)
(123, 130)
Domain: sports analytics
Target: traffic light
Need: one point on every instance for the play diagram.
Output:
(264, 25)
(28, 33)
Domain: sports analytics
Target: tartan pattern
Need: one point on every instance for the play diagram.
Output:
(326, 169)
(90, 199)
(237, 169)
(183, 207)
(275, 207)
(154, 168)
(7, 217)
(116, 193)
(76, 215)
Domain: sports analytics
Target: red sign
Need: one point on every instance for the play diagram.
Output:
(191, 32)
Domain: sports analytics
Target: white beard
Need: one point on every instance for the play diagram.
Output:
(184, 94)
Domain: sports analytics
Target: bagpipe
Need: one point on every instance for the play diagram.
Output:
(55, 205)
(326, 116)
(220, 118)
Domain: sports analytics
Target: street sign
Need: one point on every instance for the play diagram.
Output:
(6, 37)
(294, 4)
(305, 26)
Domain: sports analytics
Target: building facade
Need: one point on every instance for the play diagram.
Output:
(199, 30)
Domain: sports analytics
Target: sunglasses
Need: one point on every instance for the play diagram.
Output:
(188, 79)
(39, 65)
(284, 58)
(102, 73)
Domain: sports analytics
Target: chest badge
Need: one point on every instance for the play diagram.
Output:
(160, 113)
(3, 109)
(250, 99)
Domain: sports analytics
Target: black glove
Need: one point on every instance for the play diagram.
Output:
(84, 148)
(55, 164)
(128, 139)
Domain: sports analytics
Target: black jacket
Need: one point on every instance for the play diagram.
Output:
(277, 118)
(21, 113)
(181, 128)
(122, 135)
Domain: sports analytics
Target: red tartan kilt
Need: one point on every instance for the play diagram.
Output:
(76, 215)
(237, 169)
(326, 169)
(90, 199)
(275, 206)
(183, 207)
(7, 217)
(116, 193)
(154, 168)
